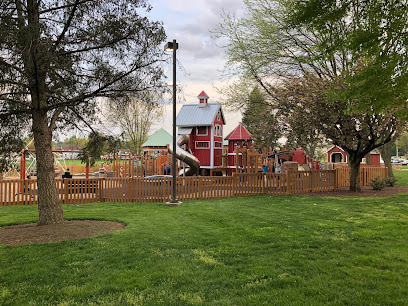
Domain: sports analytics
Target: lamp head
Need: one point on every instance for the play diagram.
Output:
(170, 46)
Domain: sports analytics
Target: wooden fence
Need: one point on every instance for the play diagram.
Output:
(73, 191)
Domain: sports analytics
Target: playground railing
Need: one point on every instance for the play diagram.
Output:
(140, 189)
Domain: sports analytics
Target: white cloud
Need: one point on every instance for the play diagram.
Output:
(190, 22)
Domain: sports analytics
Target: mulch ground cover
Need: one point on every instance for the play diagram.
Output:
(70, 229)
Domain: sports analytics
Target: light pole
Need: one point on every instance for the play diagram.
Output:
(172, 47)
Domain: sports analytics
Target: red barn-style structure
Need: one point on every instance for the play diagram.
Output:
(240, 137)
(204, 123)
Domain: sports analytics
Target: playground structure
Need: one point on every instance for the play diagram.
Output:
(22, 167)
(202, 123)
(128, 165)
(58, 161)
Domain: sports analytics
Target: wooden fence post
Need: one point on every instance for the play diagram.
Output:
(100, 189)
(335, 179)
(263, 183)
(65, 197)
(200, 187)
(233, 184)
(287, 182)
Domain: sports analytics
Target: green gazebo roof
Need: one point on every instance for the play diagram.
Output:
(159, 139)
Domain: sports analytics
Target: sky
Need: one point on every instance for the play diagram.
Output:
(190, 22)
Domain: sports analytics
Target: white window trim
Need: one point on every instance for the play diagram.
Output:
(212, 148)
(200, 148)
(206, 131)
(343, 156)
(219, 134)
(215, 142)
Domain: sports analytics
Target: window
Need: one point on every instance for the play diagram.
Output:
(218, 130)
(201, 131)
(202, 144)
(219, 116)
(218, 144)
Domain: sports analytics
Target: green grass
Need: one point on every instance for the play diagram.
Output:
(259, 250)
(402, 177)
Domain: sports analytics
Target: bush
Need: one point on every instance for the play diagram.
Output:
(377, 183)
(390, 181)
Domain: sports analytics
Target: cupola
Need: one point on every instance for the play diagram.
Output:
(203, 98)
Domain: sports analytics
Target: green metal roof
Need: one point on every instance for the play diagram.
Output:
(159, 139)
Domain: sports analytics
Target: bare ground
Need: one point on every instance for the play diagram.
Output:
(70, 229)
(75, 229)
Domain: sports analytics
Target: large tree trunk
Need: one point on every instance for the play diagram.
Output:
(354, 163)
(49, 206)
(368, 159)
(386, 154)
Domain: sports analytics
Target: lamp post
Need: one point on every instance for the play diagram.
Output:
(172, 47)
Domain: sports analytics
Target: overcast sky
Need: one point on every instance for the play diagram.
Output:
(189, 22)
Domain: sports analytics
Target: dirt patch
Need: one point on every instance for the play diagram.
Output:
(366, 191)
(70, 229)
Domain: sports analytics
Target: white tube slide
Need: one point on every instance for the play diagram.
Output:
(184, 156)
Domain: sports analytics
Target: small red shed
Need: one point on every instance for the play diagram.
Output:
(336, 155)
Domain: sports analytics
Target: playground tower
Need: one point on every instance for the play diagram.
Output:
(203, 123)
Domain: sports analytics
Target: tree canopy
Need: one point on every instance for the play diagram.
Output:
(356, 133)
(364, 41)
(373, 32)
(56, 58)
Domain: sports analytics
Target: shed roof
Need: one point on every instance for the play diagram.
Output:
(192, 115)
(239, 133)
(159, 139)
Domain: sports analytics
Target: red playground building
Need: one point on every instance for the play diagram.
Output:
(239, 138)
(203, 122)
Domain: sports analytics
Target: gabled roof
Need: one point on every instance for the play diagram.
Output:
(159, 139)
(239, 133)
(194, 115)
(203, 94)
(332, 147)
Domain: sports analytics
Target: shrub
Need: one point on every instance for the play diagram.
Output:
(377, 183)
(390, 181)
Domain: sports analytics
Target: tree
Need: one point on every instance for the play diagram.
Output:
(135, 116)
(278, 40)
(373, 31)
(356, 133)
(260, 120)
(56, 59)
(386, 154)
(97, 145)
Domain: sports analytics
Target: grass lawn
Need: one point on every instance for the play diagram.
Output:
(243, 251)
(402, 177)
